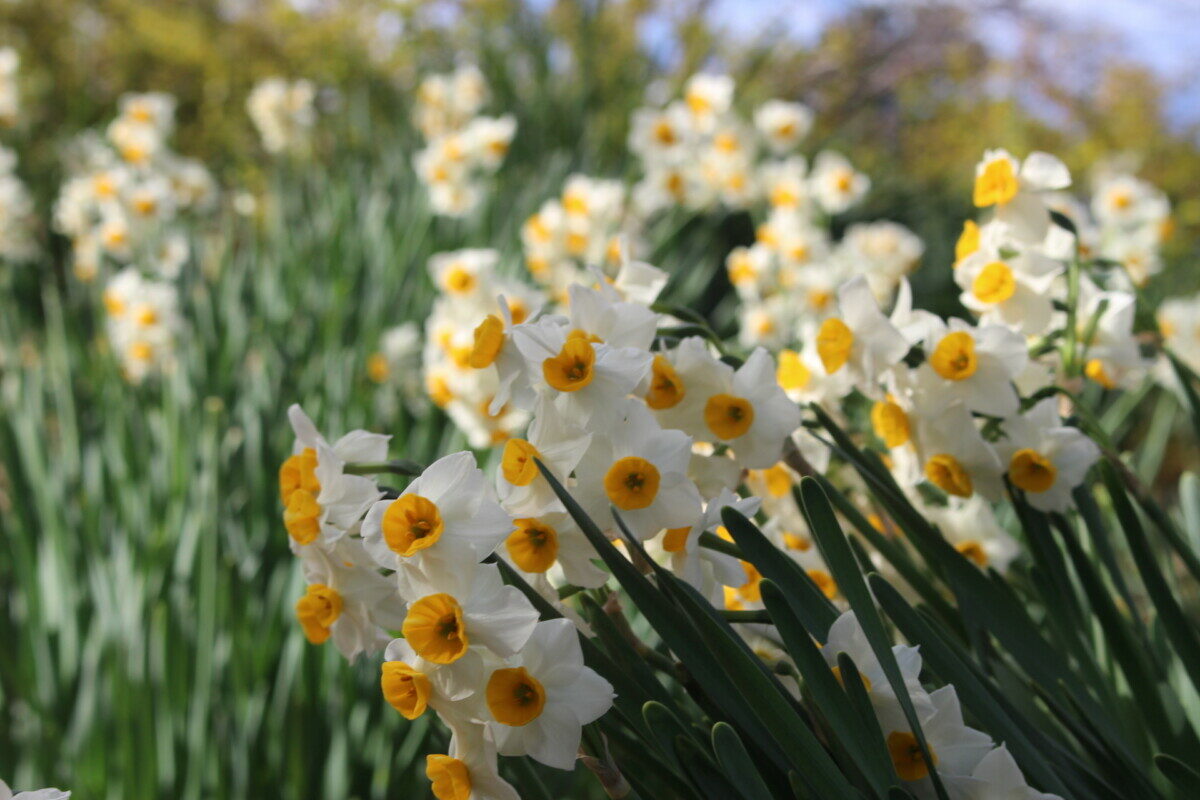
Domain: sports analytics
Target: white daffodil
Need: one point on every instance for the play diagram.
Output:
(835, 183)
(538, 544)
(708, 98)
(751, 270)
(463, 273)
(1179, 323)
(449, 614)
(783, 124)
(588, 378)
(914, 324)
(661, 136)
(38, 794)
(637, 281)
(1106, 321)
(859, 338)
(846, 636)
(444, 522)
(640, 470)
(411, 684)
(347, 599)
(1006, 284)
(971, 526)
(470, 773)
(882, 251)
(707, 570)
(785, 184)
(995, 777)
(1011, 188)
(954, 455)
(955, 749)
(976, 365)
(489, 139)
(1045, 458)
(322, 502)
(557, 444)
(539, 702)
(605, 317)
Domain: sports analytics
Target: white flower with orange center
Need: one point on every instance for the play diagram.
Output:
(955, 750)
(489, 138)
(708, 98)
(835, 183)
(782, 124)
(858, 338)
(588, 378)
(1005, 285)
(412, 685)
(705, 569)
(976, 365)
(971, 526)
(1044, 458)
(320, 501)
(463, 273)
(553, 544)
(954, 455)
(661, 135)
(1112, 357)
(639, 471)
(449, 614)
(347, 599)
(1011, 188)
(785, 185)
(539, 702)
(445, 521)
(469, 772)
(550, 439)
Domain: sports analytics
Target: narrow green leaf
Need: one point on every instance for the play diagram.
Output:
(737, 763)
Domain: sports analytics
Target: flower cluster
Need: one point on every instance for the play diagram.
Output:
(967, 761)
(473, 649)
(282, 111)
(587, 226)
(125, 206)
(462, 147)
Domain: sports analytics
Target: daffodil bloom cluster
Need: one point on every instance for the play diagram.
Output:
(142, 320)
(18, 217)
(1130, 219)
(283, 113)
(38, 794)
(587, 226)
(463, 148)
(967, 761)
(128, 193)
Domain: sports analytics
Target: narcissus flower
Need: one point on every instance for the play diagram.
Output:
(321, 501)
(783, 124)
(411, 684)
(995, 777)
(539, 702)
(835, 183)
(954, 455)
(1011, 188)
(859, 338)
(707, 570)
(1045, 458)
(539, 544)
(640, 470)
(450, 614)
(550, 439)
(447, 520)
(974, 365)
(470, 772)
(1007, 286)
(955, 749)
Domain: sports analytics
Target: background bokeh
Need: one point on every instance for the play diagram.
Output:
(147, 647)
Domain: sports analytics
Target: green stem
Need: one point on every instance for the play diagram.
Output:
(401, 466)
(714, 542)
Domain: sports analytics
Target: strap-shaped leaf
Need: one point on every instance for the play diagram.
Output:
(737, 764)
(838, 556)
(1185, 778)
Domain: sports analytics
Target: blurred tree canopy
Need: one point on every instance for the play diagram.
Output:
(910, 91)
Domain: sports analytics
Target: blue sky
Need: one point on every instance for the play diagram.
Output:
(1164, 34)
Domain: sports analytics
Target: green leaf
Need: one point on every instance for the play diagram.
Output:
(838, 556)
(737, 763)
(1180, 774)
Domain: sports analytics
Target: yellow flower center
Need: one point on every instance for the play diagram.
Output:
(631, 483)
(405, 689)
(435, 629)
(575, 203)
(459, 280)
(664, 133)
(410, 524)
(792, 374)
(994, 283)
(450, 777)
(890, 423)
(968, 241)
(378, 368)
(299, 472)
(317, 610)
(514, 696)
(517, 463)
(439, 390)
(794, 541)
(751, 590)
(835, 341)
(997, 184)
(948, 474)
(675, 539)
(1096, 371)
(533, 545)
(782, 196)
(974, 551)
(572, 368)
(727, 416)
(1031, 471)
(907, 757)
(778, 480)
(954, 357)
(489, 339)
(666, 388)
